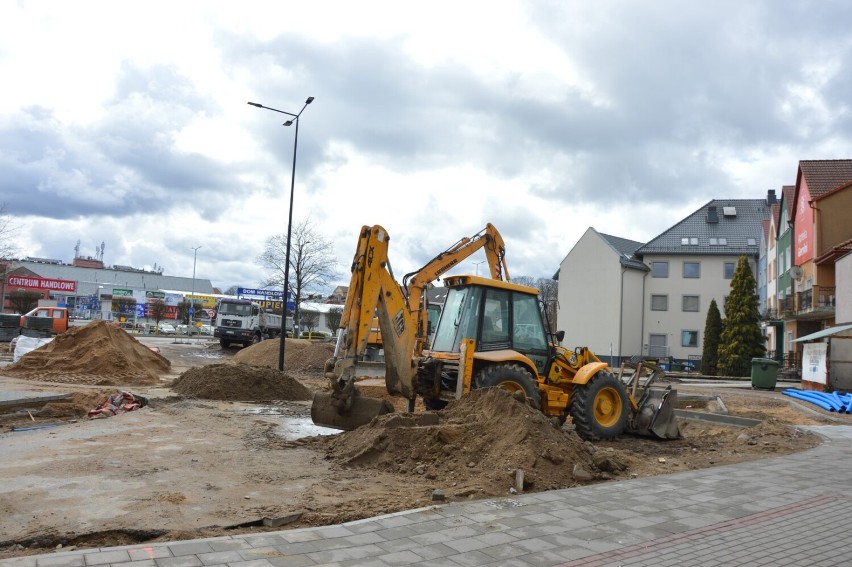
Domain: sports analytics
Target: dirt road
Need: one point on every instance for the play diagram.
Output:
(185, 467)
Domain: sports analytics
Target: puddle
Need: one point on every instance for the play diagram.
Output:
(293, 422)
(298, 427)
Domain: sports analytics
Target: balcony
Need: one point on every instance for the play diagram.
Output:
(816, 303)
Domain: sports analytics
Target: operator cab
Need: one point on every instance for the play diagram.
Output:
(497, 315)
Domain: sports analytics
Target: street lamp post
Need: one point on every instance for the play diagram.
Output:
(295, 118)
(192, 295)
(477, 266)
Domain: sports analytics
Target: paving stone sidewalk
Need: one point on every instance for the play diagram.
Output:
(792, 510)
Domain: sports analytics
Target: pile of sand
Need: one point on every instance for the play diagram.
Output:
(479, 440)
(97, 354)
(239, 382)
(299, 354)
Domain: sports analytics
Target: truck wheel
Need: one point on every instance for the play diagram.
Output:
(224, 344)
(256, 338)
(512, 378)
(599, 408)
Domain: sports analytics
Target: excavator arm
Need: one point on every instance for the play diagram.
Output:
(373, 291)
(402, 317)
(495, 252)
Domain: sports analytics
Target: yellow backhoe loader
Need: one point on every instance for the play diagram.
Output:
(491, 333)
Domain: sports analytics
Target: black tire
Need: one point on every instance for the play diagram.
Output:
(600, 407)
(224, 344)
(434, 404)
(510, 377)
(256, 338)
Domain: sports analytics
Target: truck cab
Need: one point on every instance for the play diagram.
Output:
(57, 315)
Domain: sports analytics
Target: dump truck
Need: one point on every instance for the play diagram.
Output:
(244, 322)
(491, 333)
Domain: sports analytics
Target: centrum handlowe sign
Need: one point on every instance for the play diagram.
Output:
(42, 283)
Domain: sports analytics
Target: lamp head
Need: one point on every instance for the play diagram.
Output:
(288, 123)
(310, 100)
(257, 104)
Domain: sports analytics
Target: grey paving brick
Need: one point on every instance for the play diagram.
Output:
(400, 558)
(142, 563)
(183, 561)
(149, 552)
(190, 548)
(62, 560)
(105, 557)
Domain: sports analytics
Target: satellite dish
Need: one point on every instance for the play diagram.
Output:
(797, 272)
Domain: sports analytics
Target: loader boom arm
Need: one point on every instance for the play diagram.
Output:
(400, 309)
(373, 291)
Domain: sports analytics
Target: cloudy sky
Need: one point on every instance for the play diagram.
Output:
(126, 122)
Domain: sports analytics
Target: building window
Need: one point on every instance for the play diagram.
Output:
(729, 270)
(689, 338)
(659, 269)
(690, 303)
(691, 270)
(658, 346)
(659, 303)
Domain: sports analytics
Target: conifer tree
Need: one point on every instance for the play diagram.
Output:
(741, 337)
(712, 336)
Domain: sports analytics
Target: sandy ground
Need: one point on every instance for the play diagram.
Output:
(185, 467)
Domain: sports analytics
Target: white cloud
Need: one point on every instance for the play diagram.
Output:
(128, 122)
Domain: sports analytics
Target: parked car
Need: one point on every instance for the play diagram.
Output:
(166, 329)
(206, 330)
(187, 330)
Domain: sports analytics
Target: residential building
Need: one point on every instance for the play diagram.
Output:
(623, 298)
(692, 264)
(600, 295)
(818, 234)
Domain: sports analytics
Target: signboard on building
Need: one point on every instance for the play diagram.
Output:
(803, 247)
(813, 363)
(252, 293)
(66, 286)
(122, 292)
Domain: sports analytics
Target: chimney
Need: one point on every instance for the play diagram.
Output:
(770, 197)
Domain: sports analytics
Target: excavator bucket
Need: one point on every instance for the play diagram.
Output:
(346, 412)
(656, 416)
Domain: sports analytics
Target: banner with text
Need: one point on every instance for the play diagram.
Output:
(66, 286)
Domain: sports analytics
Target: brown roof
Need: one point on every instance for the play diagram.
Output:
(787, 192)
(824, 175)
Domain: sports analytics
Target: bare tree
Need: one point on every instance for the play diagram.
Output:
(310, 320)
(548, 293)
(22, 301)
(231, 290)
(312, 262)
(333, 318)
(8, 248)
(157, 311)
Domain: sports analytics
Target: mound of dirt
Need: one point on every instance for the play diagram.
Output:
(239, 382)
(299, 354)
(96, 354)
(480, 440)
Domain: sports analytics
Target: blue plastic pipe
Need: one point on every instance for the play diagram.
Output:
(817, 399)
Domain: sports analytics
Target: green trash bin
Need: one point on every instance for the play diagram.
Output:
(764, 373)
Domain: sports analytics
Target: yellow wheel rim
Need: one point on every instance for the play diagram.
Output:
(608, 407)
(512, 387)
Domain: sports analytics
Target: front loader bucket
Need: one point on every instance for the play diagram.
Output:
(656, 416)
(346, 413)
